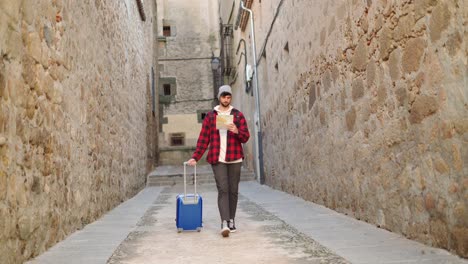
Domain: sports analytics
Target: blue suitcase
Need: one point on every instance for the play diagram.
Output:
(189, 207)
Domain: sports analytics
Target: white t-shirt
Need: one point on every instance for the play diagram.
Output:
(223, 138)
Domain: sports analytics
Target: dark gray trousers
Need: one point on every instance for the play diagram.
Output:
(227, 178)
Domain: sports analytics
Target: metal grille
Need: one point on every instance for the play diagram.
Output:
(226, 50)
(166, 31)
(177, 139)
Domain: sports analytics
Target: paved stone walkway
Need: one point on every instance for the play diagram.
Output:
(273, 227)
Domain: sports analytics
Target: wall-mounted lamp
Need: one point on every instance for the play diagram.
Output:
(215, 63)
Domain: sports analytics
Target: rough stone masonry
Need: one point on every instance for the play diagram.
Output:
(77, 132)
(376, 95)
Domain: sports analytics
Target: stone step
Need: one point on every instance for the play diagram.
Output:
(202, 178)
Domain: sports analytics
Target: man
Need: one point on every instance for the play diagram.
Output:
(225, 154)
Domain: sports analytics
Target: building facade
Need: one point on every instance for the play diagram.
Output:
(188, 37)
(363, 108)
(78, 115)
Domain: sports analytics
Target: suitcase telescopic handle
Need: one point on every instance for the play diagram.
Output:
(194, 181)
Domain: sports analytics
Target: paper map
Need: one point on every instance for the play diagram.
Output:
(223, 120)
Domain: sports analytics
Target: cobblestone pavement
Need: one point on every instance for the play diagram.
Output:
(261, 237)
(273, 227)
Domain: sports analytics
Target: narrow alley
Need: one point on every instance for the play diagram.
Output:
(347, 120)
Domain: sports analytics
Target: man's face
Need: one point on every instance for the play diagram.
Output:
(225, 100)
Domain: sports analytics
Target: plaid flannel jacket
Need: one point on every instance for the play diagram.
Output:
(209, 135)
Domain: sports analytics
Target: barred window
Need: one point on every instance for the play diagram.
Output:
(167, 31)
(177, 139)
(167, 89)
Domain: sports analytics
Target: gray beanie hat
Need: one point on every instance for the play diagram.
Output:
(224, 89)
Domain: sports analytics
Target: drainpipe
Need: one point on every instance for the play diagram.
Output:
(258, 126)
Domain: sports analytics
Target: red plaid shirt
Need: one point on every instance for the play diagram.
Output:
(209, 135)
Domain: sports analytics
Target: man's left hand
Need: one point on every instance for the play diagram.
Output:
(233, 128)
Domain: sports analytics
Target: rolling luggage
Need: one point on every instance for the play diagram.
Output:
(189, 207)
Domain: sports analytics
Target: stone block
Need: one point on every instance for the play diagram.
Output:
(394, 64)
(434, 74)
(371, 73)
(439, 230)
(381, 95)
(360, 56)
(25, 224)
(323, 36)
(439, 22)
(461, 126)
(13, 47)
(34, 46)
(459, 235)
(413, 54)
(312, 96)
(457, 158)
(4, 20)
(31, 105)
(357, 89)
(454, 43)
(11, 8)
(404, 27)
(332, 26)
(326, 81)
(57, 72)
(421, 7)
(29, 11)
(48, 35)
(343, 100)
(29, 70)
(461, 213)
(423, 106)
(350, 119)
(385, 42)
(322, 117)
(401, 96)
(16, 89)
(440, 165)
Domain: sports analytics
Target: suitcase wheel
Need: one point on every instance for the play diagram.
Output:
(198, 229)
(179, 230)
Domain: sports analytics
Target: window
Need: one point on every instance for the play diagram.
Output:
(226, 50)
(167, 31)
(177, 139)
(167, 89)
(201, 114)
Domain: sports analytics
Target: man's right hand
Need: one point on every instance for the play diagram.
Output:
(192, 162)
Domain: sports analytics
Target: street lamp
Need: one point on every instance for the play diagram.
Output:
(214, 63)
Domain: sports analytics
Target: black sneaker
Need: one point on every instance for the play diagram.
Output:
(232, 226)
(224, 229)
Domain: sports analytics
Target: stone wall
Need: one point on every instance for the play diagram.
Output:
(77, 131)
(374, 96)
